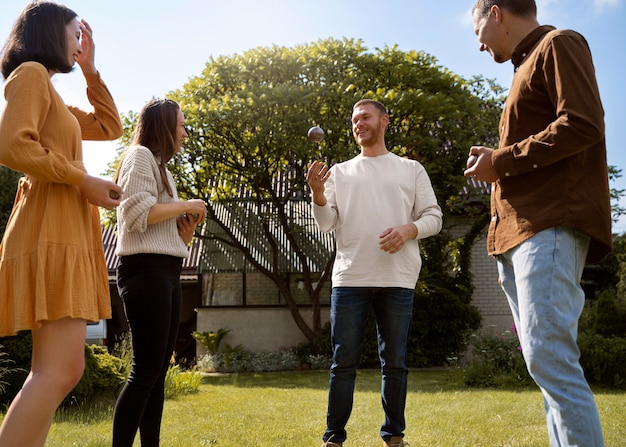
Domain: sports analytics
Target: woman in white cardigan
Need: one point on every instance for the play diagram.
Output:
(154, 230)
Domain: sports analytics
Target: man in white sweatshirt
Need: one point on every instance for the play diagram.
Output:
(379, 205)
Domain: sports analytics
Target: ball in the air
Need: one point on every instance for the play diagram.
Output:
(315, 134)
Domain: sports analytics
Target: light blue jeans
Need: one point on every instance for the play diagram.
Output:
(541, 279)
(349, 312)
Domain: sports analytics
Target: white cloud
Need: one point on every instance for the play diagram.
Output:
(600, 6)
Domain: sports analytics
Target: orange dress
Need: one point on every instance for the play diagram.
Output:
(51, 257)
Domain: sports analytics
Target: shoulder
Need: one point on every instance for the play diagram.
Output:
(29, 72)
(403, 161)
(564, 37)
(137, 157)
(140, 152)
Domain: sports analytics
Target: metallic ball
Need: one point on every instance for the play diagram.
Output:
(315, 134)
(471, 160)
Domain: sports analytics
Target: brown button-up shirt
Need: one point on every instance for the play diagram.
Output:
(551, 162)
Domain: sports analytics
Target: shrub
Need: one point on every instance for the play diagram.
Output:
(238, 360)
(103, 373)
(496, 360)
(179, 382)
(441, 328)
(5, 368)
(124, 351)
(19, 350)
(603, 359)
(103, 377)
(608, 315)
(211, 340)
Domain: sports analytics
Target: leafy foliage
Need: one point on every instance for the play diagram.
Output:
(496, 361)
(248, 117)
(103, 376)
(8, 188)
(179, 382)
(211, 340)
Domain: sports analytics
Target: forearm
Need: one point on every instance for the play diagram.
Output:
(164, 211)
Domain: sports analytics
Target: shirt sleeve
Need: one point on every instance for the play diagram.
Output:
(569, 82)
(140, 183)
(426, 210)
(326, 216)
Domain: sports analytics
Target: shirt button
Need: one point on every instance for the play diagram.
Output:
(494, 218)
(535, 166)
(506, 174)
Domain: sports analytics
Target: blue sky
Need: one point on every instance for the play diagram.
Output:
(147, 48)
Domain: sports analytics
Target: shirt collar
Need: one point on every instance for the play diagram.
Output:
(528, 43)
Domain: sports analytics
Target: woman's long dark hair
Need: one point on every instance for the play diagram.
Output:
(156, 130)
(39, 35)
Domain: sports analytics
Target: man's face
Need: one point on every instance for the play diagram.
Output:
(488, 29)
(368, 125)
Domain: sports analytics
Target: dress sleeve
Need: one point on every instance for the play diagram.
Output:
(28, 101)
(104, 122)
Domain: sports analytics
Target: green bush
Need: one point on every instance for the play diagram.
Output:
(442, 326)
(103, 375)
(19, 350)
(237, 360)
(211, 340)
(603, 359)
(5, 368)
(179, 382)
(608, 315)
(496, 361)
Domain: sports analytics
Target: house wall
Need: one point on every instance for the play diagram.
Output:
(488, 296)
(264, 329)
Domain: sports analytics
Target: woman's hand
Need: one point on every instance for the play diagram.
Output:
(100, 192)
(186, 227)
(86, 58)
(196, 210)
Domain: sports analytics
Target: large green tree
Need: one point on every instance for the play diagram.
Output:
(248, 117)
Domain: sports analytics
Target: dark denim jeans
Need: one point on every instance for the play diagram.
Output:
(350, 308)
(149, 285)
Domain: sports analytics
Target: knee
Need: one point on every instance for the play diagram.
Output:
(70, 377)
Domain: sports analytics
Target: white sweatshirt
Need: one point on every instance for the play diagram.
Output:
(365, 196)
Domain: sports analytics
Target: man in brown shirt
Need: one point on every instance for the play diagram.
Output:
(550, 205)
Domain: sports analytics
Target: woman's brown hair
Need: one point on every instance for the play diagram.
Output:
(156, 130)
(39, 35)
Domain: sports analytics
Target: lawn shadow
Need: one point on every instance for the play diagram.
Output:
(368, 380)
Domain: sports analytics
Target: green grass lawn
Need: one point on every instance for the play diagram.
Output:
(288, 409)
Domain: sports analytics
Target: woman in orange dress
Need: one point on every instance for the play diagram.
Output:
(53, 276)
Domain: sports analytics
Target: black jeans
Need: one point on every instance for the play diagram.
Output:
(149, 285)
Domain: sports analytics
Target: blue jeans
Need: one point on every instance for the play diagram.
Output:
(350, 308)
(541, 279)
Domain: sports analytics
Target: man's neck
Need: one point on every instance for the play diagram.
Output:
(522, 28)
(374, 151)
